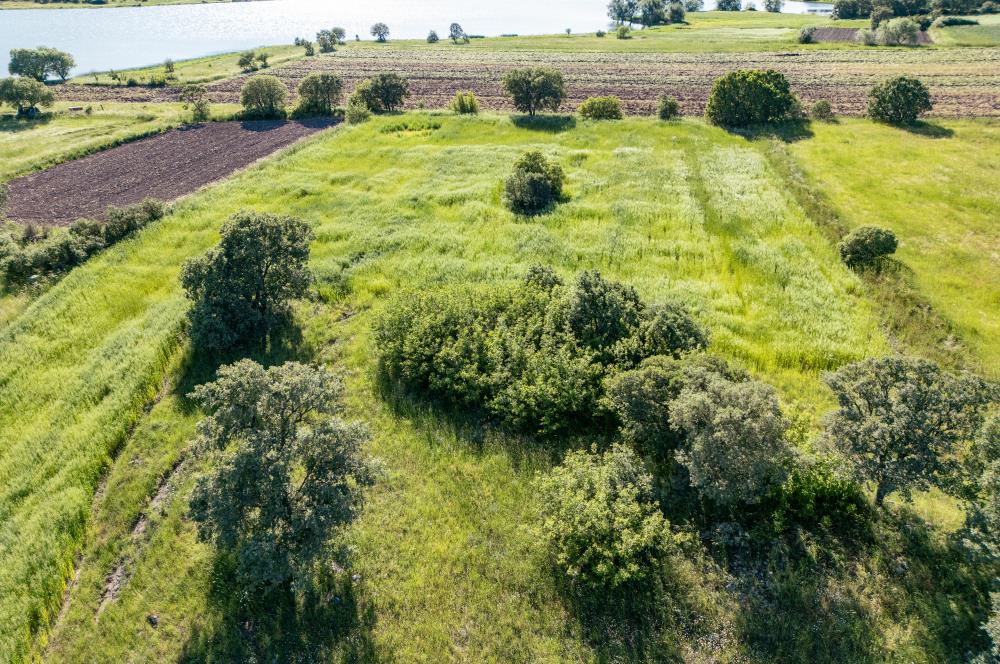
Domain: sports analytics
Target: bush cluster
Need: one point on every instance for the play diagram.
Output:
(318, 94)
(822, 111)
(747, 97)
(668, 108)
(24, 259)
(806, 33)
(534, 356)
(534, 185)
(898, 32)
(602, 108)
(263, 98)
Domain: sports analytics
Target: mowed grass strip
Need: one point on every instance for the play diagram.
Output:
(451, 565)
(940, 196)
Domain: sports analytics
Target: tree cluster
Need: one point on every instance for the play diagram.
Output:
(385, 92)
(40, 63)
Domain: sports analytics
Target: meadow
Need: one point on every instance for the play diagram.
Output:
(450, 566)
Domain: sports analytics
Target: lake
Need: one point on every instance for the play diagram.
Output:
(102, 39)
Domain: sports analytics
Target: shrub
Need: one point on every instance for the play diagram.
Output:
(822, 110)
(432, 37)
(601, 108)
(40, 63)
(382, 93)
(899, 101)
(357, 113)
(25, 95)
(535, 89)
(241, 288)
(380, 31)
(195, 97)
(898, 32)
(900, 421)
(600, 520)
(865, 245)
(948, 21)
(749, 97)
(735, 449)
(816, 495)
(668, 108)
(806, 33)
(880, 15)
(60, 252)
(774, 6)
(623, 32)
(513, 352)
(319, 93)
(729, 5)
(288, 472)
(465, 103)
(866, 37)
(263, 97)
(600, 34)
(534, 185)
(309, 48)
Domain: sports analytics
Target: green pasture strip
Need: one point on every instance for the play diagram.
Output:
(937, 190)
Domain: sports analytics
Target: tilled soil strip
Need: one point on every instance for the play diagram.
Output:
(964, 82)
(165, 167)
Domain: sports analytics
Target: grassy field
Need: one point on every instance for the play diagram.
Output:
(64, 134)
(938, 193)
(987, 33)
(196, 70)
(450, 567)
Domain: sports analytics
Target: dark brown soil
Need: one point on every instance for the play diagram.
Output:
(165, 167)
(847, 35)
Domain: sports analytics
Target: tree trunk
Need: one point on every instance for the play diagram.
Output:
(883, 490)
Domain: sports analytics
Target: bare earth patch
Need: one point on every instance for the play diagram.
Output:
(166, 167)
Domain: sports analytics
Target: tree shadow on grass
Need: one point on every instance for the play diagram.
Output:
(327, 623)
(928, 129)
(553, 124)
(786, 132)
(11, 124)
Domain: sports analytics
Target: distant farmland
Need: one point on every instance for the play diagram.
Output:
(964, 82)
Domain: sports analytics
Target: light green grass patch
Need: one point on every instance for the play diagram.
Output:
(987, 33)
(940, 197)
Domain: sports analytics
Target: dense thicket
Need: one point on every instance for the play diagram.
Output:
(748, 97)
(532, 355)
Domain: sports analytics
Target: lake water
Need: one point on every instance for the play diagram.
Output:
(118, 38)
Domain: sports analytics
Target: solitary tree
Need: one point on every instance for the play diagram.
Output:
(535, 89)
(241, 289)
(195, 97)
(456, 33)
(247, 61)
(600, 519)
(319, 93)
(380, 31)
(339, 34)
(263, 97)
(534, 184)
(287, 472)
(899, 101)
(326, 41)
(26, 95)
(899, 421)
(735, 447)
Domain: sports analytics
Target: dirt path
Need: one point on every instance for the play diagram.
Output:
(166, 167)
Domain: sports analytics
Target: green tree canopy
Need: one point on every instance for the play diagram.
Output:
(535, 89)
(287, 471)
(40, 63)
(25, 94)
(900, 420)
(241, 288)
(319, 93)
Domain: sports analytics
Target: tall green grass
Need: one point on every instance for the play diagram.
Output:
(452, 567)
